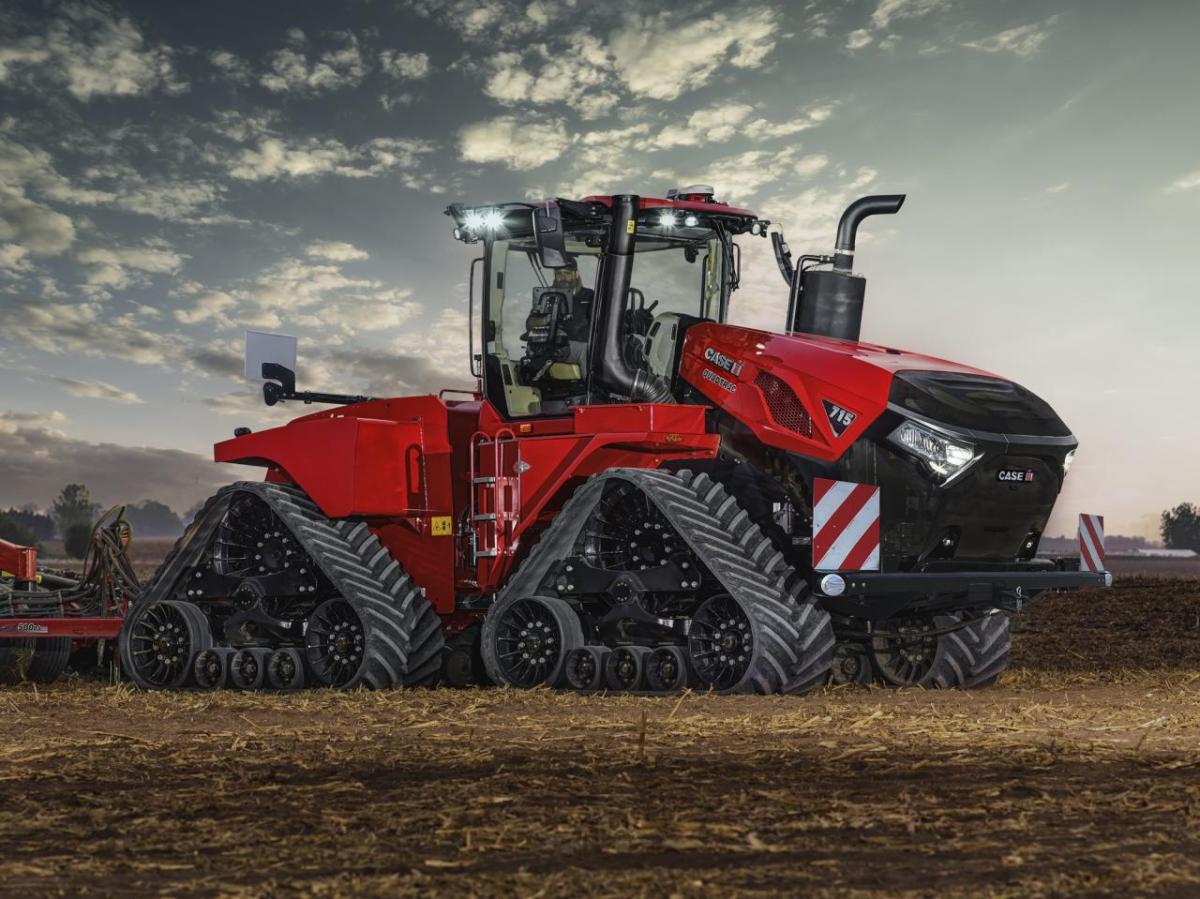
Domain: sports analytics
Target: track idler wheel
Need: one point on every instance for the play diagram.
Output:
(247, 668)
(624, 667)
(666, 669)
(584, 669)
(526, 640)
(160, 641)
(285, 669)
(208, 670)
(335, 643)
(724, 644)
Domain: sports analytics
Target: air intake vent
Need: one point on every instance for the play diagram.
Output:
(783, 404)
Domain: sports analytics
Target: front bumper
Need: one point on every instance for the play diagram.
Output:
(876, 595)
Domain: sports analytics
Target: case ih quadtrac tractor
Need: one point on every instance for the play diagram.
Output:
(637, 496)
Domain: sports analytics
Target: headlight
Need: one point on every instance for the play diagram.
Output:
(944, 456)
(1067, 462)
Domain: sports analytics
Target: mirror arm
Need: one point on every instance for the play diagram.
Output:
(281, 385)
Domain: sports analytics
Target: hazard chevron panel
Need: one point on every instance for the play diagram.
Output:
(1091, 543)
(845, 526)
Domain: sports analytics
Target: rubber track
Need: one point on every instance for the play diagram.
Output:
(404, 635)
(797, 635)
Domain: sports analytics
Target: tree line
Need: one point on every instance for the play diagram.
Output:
(72, 515)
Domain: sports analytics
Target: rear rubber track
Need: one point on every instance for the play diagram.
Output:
(404, 637)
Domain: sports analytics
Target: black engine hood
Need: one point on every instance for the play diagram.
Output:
(975, 403)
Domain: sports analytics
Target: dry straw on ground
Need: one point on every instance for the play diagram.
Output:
(1080, 772)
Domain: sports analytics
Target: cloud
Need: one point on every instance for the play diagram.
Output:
(292, 70)
(280, 158)
(334, 250)
(742, 176)
(1024, 40)
(86, 329)
(231, 66)
(859, 38)
(34, 229)
(114, 184)
(1059, 188)
(111, 267)
(520, 143)
(665, 55)
(492, 20)
(888, 11)
(1190, 181)
(576, 71)
(99, 390)
(404, 66)
(36, 461)
(92, 51)
(206, 307)
(714, 124)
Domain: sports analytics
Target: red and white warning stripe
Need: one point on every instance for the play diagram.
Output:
(845, 526)
(1091, 543)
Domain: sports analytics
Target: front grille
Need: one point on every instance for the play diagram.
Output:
(783, 404)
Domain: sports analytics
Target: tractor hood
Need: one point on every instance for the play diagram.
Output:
(817, 395)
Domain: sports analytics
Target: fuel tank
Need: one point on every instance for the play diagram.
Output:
(969, 463)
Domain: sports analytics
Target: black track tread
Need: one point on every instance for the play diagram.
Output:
(973, 655)
(796, 635)
(403, 632)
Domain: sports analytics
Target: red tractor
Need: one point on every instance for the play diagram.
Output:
(636, 496)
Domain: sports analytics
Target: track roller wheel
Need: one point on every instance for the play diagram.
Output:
(624, 666)
(851, 664)
(208, 669)
(285, 669)
(160, 642)
(247, 668)
(526, 640)
(14, 660)
(584, 669)
(666, 669)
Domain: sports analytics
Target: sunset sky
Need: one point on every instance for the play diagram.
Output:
(173, 173)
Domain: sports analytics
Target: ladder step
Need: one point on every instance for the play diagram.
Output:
(484, 481)
(486, 554)
(486, 516)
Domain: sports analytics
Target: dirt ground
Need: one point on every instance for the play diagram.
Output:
(1078, 774)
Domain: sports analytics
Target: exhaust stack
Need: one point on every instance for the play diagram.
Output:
(830, 301)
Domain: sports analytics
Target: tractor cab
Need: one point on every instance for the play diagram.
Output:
(587, 301)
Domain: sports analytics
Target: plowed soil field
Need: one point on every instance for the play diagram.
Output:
(1079, 773)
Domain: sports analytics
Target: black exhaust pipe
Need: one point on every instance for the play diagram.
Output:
(616, 269)
(831, 300)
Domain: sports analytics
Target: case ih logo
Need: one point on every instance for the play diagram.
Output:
(720, 360)
(1015, 475)
(839, 418)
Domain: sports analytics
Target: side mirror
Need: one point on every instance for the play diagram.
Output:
(550, 237)
(272, 358)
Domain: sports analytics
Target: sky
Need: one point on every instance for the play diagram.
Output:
(172, 174)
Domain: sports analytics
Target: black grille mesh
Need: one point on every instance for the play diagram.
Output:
(783, 404)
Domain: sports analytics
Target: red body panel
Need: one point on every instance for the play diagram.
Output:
(19, 561)
(855, 376)
(83, 628)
